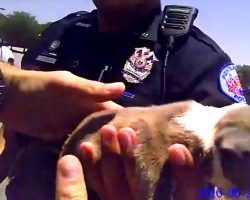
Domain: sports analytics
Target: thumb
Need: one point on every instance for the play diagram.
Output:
(110, 105)
(188, 178)
(100, 92)
(70, 184)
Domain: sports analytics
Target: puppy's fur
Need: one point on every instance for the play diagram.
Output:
(218, 138)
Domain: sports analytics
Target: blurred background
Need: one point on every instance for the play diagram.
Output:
(226, 21)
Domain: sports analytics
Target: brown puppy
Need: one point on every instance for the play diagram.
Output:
(218, 138)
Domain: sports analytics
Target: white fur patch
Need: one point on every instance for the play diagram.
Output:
(201, 120)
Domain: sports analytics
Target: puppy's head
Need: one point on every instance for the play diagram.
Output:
(232, 149)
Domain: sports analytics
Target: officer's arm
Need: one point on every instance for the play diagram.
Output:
(219, 84)
(43, 52)
(11, 77)
(30, 96)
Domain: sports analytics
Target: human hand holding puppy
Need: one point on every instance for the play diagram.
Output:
(134, 163)
(113, 178)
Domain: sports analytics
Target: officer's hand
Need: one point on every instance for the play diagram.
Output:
(70, 183)
(188, 179)
(119, 183)
(50, 105)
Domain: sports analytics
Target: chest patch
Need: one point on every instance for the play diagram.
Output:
(54, 45)
(139, 65)
(230, 83)
(46, 59)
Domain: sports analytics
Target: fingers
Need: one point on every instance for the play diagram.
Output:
(101, 92)
(128, 140)
(70, 184)
(108, 175)
(93, 168)
(114, 176)
(112, 163)
(180, 156)
(85, 88)
(187, 177)
(110, 105)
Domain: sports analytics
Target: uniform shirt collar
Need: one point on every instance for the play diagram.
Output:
(146, 29)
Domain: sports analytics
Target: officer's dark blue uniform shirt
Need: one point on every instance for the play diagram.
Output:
(195, 66)
(197, 69)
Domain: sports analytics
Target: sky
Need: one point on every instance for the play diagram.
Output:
(225, 21)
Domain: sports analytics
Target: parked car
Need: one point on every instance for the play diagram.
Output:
(6, 54)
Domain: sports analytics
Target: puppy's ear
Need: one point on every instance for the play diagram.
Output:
(234, 150)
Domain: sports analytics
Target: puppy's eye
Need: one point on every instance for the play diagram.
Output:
(228, 159)
(229, 124)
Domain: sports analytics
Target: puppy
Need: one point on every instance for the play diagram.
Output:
(218, 138)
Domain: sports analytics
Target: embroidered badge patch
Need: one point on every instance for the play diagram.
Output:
(54, 45)
(230, 83)
(139, 65)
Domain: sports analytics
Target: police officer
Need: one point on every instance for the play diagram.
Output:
(120, 42)
(23, 94)
(123, 46)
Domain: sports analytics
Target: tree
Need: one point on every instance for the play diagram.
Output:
(3, 19)
(20, 29)
(42, 27)
(244, 74)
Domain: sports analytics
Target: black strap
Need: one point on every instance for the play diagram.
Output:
(176, 24)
